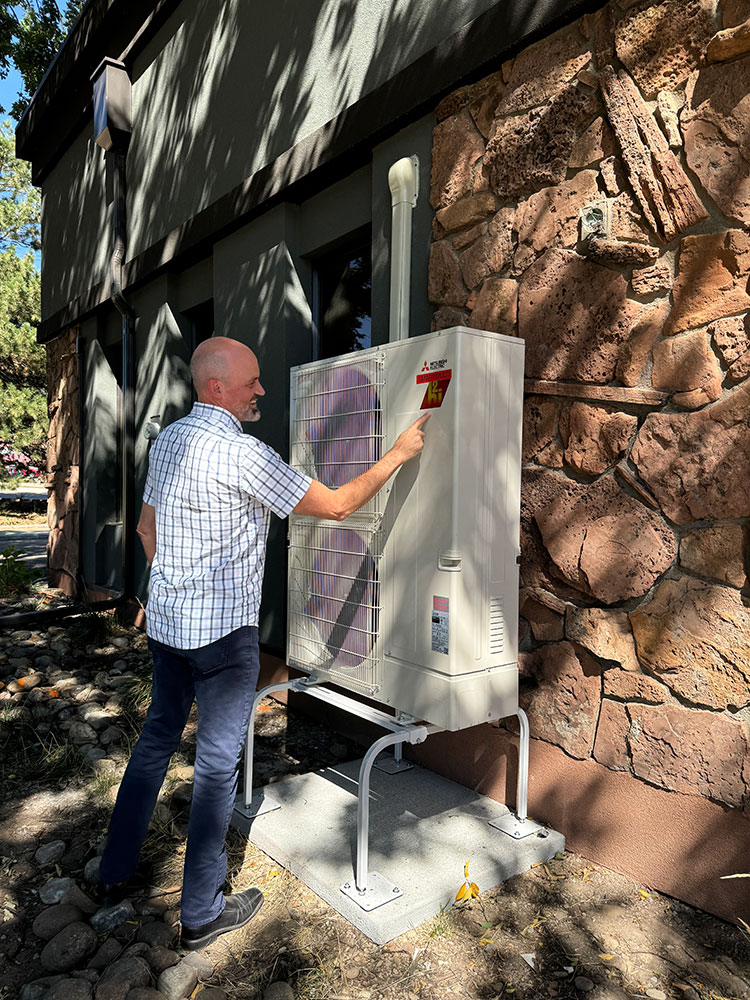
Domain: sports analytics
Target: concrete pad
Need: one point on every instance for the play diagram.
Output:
(423, 828)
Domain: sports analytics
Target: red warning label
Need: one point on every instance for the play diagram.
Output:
(437, 386)
(439, 603)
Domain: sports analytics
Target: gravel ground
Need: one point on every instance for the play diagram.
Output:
(71, 703)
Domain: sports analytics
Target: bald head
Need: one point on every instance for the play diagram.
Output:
(225, 373)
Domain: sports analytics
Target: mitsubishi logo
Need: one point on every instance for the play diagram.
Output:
(425, 367)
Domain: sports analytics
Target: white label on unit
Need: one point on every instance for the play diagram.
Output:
(440, 625)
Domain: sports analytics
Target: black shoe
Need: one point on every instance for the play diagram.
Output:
(239, 910)
(109, 894)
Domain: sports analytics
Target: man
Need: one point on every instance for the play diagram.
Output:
(206, 509)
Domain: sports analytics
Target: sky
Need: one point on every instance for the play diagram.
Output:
(9, 88)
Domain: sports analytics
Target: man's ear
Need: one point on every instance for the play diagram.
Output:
(214, 387)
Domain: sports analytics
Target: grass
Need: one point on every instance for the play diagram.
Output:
(16, 578)
(31, 758)
(92, 628)
(444, 923)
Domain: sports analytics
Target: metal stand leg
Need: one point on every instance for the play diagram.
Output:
(370, 889)
(518, 825)
(261, 803)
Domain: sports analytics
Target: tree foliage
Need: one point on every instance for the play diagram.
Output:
(23, 415)
(31, 32)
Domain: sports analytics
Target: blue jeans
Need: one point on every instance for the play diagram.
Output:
(221, 677)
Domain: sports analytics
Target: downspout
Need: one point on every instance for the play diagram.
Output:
(117, 150)
(403, 180)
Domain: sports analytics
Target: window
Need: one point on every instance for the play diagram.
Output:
(342, 297)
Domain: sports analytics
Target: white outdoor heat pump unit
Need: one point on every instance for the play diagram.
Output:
(413, 601)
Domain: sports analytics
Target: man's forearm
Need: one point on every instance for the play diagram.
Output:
(353, 495)
(148, 541)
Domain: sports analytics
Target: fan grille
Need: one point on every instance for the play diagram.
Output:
(337, 431)
(334, 601)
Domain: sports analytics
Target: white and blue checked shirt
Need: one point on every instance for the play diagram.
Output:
(213, 488)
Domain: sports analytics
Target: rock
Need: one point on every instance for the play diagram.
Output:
(76, 897)
(656, 994)
(606, 634)
(54, 890)
(466, 212)
(540, 72)
(564, 707)
(678, 748)
(197, 960)
(669, 103)
(595, 437)
(47, 854)
(596, 143)
(160, 958)
(649, 280)
(52, 920)
(445, 285)
(446, 317)
(546, 624)
(178, 982)
(624, 475)
(740, 369)
(731, 337)
(71, 989)
(540, 488)
(28, 681)
(108, 951)
(540, 445)
(496, 306)
(734, 12)
(110, 917)
(121, 642)
(696, 637)
(111, 736)
(619, 254)
(696, 464)
(157, 932)
(530, 151)
(550, 217)
(605, 543)
(81, 732)
(661, 44)
(456, 148)
(687, 366)
(629, 686)
(39, 988)
(491, 252)
(729, 43)
(717, 552)
(712, 279)
(635, 352)
(574, 316)
(612, 176)
(626, 220)
(144, 993)
(69, 947)
(123, 975)
(212, 993)
(91, 869)
(583, 983)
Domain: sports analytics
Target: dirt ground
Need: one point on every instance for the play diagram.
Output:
(565, 929)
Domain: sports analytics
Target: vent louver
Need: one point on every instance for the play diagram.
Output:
(497, 631)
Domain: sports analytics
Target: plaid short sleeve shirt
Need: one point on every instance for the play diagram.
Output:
(213, 489)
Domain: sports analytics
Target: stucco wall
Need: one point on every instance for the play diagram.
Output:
(219, 93)
(635, 629)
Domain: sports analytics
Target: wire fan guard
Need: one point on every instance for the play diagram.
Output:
(337, 429)
(334, 601)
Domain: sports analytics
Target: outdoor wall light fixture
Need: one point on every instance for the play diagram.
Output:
(112, 106)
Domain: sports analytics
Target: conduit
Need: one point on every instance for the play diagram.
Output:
(403, 181)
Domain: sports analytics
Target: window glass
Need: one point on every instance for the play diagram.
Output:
(344, 279)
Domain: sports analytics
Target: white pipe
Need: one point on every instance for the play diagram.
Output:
(403, 180)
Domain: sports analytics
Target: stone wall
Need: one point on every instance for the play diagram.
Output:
(62, 461)
(592, 196)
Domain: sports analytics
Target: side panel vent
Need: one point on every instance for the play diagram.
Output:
(497, 626)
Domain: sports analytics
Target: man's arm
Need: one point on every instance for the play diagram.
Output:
(337, 505)
(147, 531)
